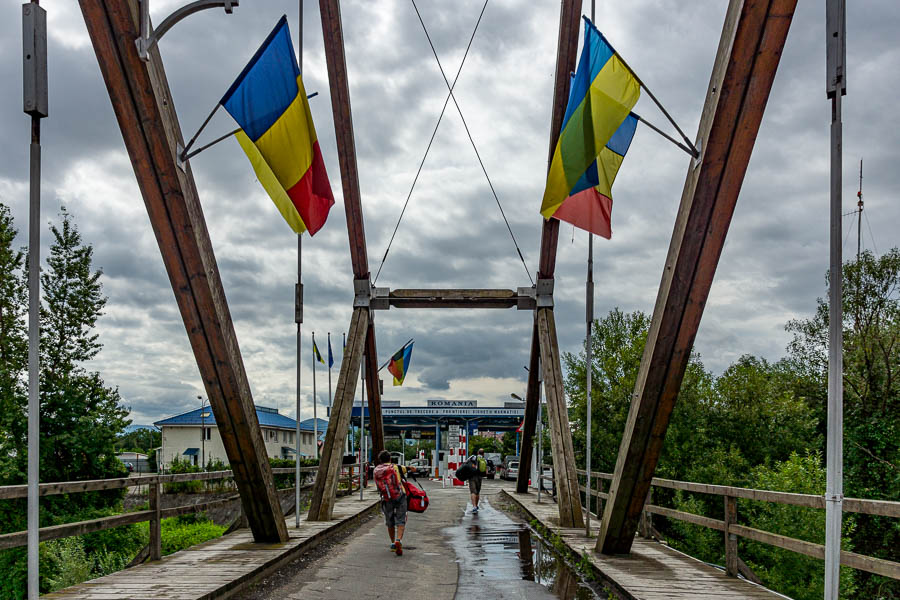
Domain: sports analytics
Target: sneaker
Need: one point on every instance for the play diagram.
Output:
(393, 546)
(398, 548)
(475, 510)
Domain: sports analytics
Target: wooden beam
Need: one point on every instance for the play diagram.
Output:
(373, 391)
(566, 55)
(532, 401)
(749, 50)
(568, 499)
(336, 61)
(145, 111)
(454, 298)
(325, 487)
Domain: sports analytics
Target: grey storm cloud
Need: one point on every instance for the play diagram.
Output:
(771, 270)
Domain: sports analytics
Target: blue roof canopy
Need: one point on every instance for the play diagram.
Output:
(191, 452)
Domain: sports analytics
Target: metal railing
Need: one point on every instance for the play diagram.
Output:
(155, 514)
(731, 529)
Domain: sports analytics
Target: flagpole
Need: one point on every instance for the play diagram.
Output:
(330, 360)
(298, 313)
(362, 424)
(589, 317)
(314, 399)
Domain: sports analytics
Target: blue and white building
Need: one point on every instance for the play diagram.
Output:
(194, 436)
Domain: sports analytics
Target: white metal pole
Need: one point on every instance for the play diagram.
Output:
(589, 314)
(836, 86)
(34, 83)
(329, 374)
(315, 400)
(298, 311)
(540, 432)
(362, 423)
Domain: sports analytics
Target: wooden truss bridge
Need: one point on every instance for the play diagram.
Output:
(752, 39)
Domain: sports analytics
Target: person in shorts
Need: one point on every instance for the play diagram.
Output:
(480, 465)
(389, 481)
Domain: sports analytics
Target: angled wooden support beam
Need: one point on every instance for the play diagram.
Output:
(324, 489)
(749, 50)
(373, 390)
(532, 402)
(145, 111)
(566, 54)
(336, 61)
(568, 498)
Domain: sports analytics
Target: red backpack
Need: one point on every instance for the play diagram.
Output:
(416, 498)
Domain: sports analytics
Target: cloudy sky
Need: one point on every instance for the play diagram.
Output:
(771, 270)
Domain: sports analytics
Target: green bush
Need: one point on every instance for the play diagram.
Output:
(63, 563)
(185, 531)
(178, 466)
(287, 481)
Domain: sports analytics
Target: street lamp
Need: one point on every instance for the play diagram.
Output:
(203, 415)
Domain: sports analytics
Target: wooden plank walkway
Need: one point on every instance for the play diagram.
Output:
(652, 571)
(222, 567)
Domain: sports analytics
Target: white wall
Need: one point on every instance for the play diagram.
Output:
(178, 438)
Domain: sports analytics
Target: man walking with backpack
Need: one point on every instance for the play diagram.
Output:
(389, 481)
(480, 465)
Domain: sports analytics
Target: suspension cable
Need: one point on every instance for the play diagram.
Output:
(472, 141)
(430, 141)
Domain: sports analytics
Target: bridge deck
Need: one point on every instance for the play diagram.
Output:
(220, 567)
(652, 571)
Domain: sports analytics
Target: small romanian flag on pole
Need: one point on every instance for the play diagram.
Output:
(596, 133)
(277, 134)
(399, 363)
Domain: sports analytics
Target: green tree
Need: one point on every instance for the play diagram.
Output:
(871, 353)
(139, 440)
(13, 349)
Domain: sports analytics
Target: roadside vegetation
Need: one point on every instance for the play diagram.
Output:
(761, 424)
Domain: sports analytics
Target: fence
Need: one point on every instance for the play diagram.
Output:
(731, 529)
(155, 514)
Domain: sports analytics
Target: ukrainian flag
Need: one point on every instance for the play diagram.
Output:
(597, 127)
(277, 134)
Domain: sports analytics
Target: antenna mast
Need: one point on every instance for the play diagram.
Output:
(859, 205)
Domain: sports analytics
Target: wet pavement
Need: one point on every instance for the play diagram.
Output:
(449, 552)
(500, 558)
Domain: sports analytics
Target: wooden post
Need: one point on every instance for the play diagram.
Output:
(373, 391)
(568, 496)
(646, 527)
(532, 402)
(731, 542)
(749, 50)
(155, 522)
(145, 111)
(325, 487)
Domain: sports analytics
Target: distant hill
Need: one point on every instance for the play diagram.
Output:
(131, 428)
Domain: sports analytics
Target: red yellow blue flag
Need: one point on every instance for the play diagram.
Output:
(399, 363)
(596, 133)
(277, 134)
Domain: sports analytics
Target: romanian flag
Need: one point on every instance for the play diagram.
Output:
(316, 354)
(596, 133)
(399, 363)
(277, 133)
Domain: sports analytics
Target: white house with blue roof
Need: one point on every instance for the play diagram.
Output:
(194, 436)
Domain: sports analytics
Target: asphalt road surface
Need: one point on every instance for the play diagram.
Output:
(444, 557)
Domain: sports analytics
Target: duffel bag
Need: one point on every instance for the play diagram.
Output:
(466, 471)
(416, 498)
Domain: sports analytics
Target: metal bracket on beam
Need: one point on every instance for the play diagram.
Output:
(544, 292)
(362, 293)
(380, 299)
(526, 298)
(146, 41)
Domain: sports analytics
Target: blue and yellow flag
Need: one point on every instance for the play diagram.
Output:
(316, 355)
(596, 130)
(330, 355)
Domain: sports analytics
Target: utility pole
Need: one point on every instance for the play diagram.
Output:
(34, 85)
(836, 87)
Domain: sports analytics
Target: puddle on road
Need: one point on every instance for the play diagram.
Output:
(499, 558)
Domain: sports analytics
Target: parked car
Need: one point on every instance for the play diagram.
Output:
(510, 468)
(421, 466)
